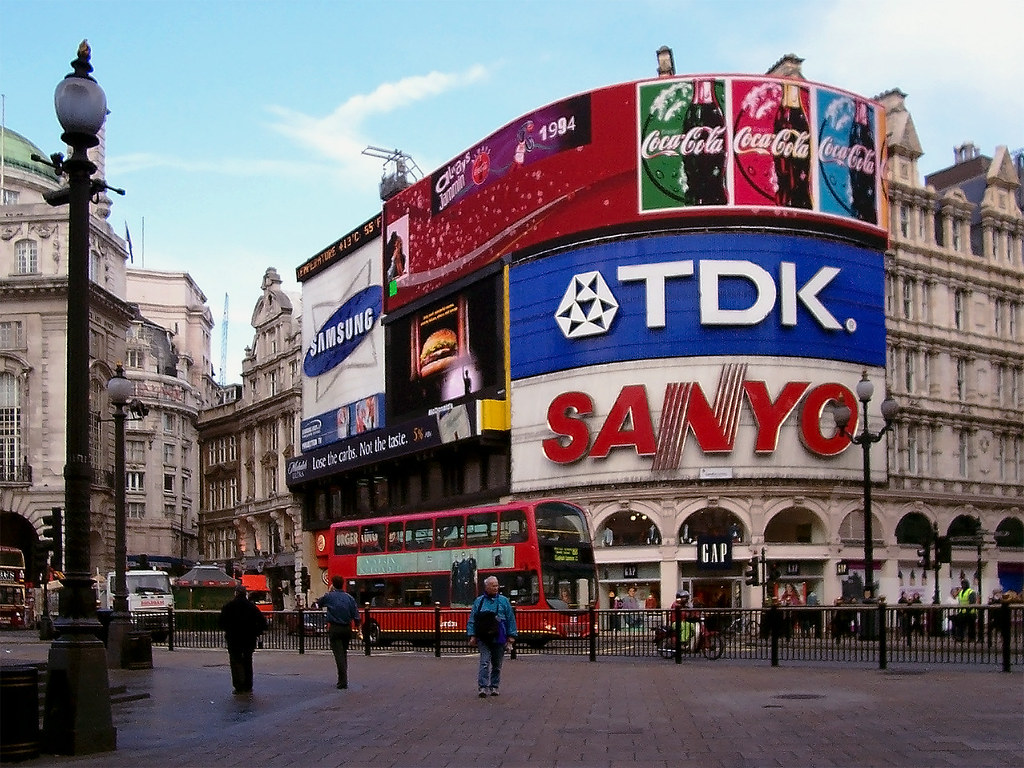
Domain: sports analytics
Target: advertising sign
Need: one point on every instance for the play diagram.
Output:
(697, 294)
(343, 361)
(624, 157)
(450, 351)
(681, 419)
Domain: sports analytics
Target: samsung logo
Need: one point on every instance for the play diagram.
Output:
(343, 332)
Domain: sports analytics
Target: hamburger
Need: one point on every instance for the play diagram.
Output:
(438, 352)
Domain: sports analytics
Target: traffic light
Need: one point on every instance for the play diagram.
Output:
(52, 530)
(924, 556)
(753, 573)
(305, 579)
(943, 550)
(41, 560)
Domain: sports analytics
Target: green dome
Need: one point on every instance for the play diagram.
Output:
(18, 151)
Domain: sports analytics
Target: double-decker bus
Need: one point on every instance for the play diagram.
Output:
(12, 588)
(405, 566)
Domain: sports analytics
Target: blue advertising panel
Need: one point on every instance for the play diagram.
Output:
(697, 295)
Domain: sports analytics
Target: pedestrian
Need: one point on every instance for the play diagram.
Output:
(243, 623)
(342, 617)
(492, 630)
(966, 618)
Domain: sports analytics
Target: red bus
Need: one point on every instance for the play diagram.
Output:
(540, 551)
(12, 588)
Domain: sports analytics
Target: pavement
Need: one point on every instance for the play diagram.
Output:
(412, 709)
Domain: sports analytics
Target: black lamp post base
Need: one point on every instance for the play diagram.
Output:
(77, 718)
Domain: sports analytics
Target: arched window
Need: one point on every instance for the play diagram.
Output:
(11, 456)
(914, 528)
(712, 522)
(1010, 534)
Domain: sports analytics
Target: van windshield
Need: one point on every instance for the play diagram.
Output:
(156, 583)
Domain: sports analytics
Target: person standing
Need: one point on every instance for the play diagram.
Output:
(242, 623)
(342, 616)
(492, 630)
(967, 617)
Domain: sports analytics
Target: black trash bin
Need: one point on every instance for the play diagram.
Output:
(19, 713)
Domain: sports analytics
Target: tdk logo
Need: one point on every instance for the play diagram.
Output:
(589, 306)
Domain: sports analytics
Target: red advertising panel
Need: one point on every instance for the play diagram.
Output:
(636, 155)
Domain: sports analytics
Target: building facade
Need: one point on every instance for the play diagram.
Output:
(941, 266)
(251, 523)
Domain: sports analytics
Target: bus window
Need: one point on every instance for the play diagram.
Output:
(371, 538)
(419, 534)
(450, 531)
(346, 541)
(513, 526)
(522, 587)
(560, 523)
(481, 528)
(395, 542)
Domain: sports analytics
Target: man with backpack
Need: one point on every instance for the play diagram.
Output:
(492, 630)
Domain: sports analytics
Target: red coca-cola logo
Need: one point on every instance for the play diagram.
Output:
(481, 167)
(856, 158)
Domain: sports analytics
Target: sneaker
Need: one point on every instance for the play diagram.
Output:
(483, 693)
(494, 691)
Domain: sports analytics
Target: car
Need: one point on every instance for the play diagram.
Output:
(314, 622)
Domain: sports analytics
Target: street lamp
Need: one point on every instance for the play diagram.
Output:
(119, 390)
(78, 718)
(842, 415)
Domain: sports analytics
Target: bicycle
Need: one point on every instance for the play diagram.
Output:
(709, 642)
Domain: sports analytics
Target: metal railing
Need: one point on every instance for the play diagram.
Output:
(867, 634)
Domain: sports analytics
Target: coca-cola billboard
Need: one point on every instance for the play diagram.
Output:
(636, 155)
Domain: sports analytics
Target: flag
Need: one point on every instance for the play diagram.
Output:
(128, 238)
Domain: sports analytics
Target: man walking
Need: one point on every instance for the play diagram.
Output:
(967, 616)
(243, 623)
(342, 616)
(492, 630)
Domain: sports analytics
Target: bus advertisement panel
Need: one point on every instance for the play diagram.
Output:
(540, 552)
(12, 588)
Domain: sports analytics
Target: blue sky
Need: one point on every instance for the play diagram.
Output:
(237, 127)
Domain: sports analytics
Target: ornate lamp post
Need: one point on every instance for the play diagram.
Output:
(842, 415)
(78, 717)
(120, 390)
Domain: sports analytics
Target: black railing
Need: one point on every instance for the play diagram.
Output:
(867, 634)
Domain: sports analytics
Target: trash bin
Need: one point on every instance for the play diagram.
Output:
(19, 713)
(137, 651)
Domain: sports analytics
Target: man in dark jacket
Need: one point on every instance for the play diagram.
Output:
(243, 623)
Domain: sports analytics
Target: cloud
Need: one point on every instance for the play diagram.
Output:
(224, 166)
(338, 136)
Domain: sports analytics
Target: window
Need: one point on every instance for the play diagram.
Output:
(926, 308)
(135, 451)
(912, 448)
(958, 310)
(26, 256)
(908, 370)
(963, 439)
(450, 531)
(135, 359)
(170, 511)
(997, 317)
(10, 197)
(136, 510)
(998, 373)
(904, 220)
(10, 427)
(961, 379)
(926, 371)
(169, 453)
(168, 482)
(135, 481)
(908, 299)
(1001, 457)
(272, 383)
(956, 235)
(1011, 329)
(95, 267)
(12, 335)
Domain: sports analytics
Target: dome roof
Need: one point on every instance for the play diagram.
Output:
(18, 151)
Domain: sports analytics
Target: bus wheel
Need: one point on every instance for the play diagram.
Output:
(537, 642)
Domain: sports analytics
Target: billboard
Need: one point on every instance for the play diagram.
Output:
(637, 156)
(685, 419)
(343, 341)
(670, 296)
(448, 352)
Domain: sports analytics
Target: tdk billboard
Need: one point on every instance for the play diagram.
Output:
(688, 295)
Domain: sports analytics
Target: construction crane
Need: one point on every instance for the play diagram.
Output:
(397, 168)
(224, 345)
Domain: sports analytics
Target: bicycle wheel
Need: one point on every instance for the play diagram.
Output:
(713, 646)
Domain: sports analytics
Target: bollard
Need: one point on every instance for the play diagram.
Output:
(19, 713)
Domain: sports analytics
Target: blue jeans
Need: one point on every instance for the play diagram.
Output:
(491, 657)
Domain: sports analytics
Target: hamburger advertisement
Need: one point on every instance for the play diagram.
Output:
(445, 353)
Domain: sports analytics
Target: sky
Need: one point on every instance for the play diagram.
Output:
(237, 127)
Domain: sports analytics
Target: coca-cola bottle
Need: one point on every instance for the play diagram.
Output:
(704, 147)
(792, 151)
(863, 164)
